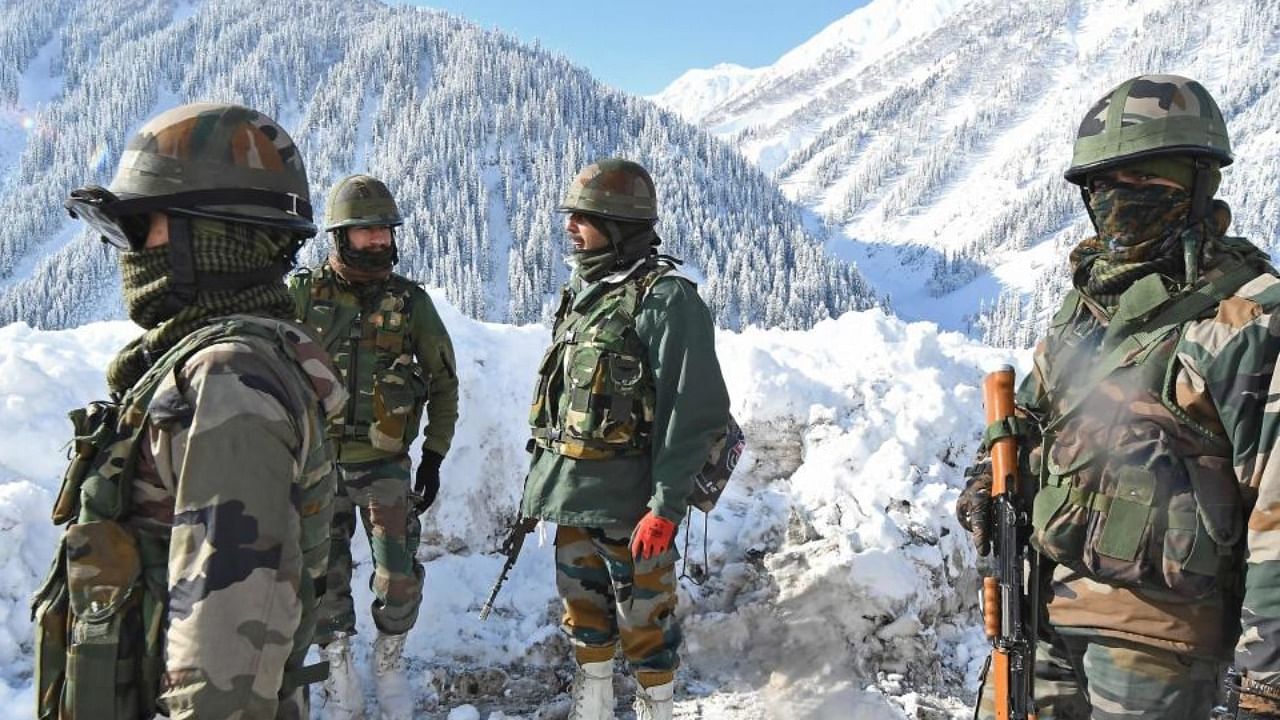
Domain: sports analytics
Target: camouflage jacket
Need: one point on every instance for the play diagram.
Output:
(233, 468)
(394, 355)
(673, 340)
(1190, 411)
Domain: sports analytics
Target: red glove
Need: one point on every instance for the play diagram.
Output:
(652, 536)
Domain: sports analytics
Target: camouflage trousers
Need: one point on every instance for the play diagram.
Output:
(608, 595)
(1089, 677)
(380, 491)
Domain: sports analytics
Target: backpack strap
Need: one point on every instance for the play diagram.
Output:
(300, 284)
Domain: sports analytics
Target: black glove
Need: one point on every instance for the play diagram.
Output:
(973, 507)
(427, 483)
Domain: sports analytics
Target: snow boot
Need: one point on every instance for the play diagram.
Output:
(341, 698)
(395, 697)
(655, 703)
(593, 692)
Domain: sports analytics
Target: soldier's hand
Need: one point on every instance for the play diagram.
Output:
(427, 482)
(973, 508)
(652, 536)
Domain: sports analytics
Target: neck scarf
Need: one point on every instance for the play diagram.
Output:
(217, 246)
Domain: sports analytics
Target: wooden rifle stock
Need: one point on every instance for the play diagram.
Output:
(1004, 603)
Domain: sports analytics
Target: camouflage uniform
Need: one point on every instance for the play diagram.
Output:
(629, 399)
(608, 595)
(1154, 433)
(395, 356)
(241, 570)
(211, 477)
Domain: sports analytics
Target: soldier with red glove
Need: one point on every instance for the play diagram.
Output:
(629, 400)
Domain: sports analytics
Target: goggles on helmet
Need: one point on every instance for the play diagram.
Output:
(119, 222)
(99, 208)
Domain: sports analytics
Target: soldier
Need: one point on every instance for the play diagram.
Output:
(394, 355)
(1155, 430)
(200, 503)
(629, 400)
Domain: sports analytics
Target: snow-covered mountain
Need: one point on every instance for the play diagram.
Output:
(938, 147)
(766, 95)
(699, 91)
(838, 585)
(478, 135)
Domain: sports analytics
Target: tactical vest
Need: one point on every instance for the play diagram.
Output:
(595, 396)
(99, 615)
(374, 352)
(1133, 491)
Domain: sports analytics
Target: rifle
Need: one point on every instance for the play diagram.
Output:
(1231, 701)
(511, 549)
(1004, 600)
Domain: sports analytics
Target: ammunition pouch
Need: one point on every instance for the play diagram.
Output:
(399, 393)
(97, 626)
(1143, 518)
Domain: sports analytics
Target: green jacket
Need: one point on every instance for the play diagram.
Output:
(675, 335)
(403, 359)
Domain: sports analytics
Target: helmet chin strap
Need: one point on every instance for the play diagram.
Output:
(1084, 195)
(1191, 235)
(182, 266)
(615, 237)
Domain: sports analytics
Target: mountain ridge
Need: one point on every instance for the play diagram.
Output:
(476, 133)
(941, 161)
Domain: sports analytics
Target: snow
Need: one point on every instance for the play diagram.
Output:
(501, 236)
(837, 53)
(839, 584)
(37, 87)
(932, 137)
(364, 131)
(697, 92)
(184, 10)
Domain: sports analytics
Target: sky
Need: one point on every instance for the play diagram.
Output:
(640, 47)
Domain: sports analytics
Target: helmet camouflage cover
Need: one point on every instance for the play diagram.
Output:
(218, 147)
(1149, 116)
(613, 188)
(361, 201)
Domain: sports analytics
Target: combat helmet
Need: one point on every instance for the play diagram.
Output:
(1157, 118)
(204, 160)
(1150, 116)
(615, 189)
(361, 201)
(216, 160)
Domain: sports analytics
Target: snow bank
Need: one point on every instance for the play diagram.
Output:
(839, 584)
